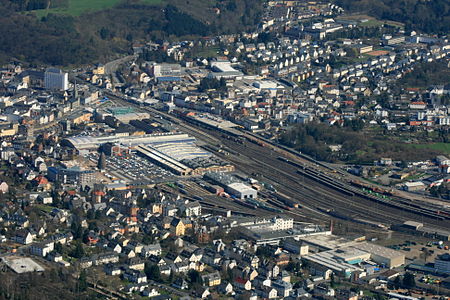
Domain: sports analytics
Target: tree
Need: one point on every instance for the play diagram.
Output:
(59, 248)
(76, 229)
(409, 280)
(82, 281)
(195, 277)
(78, 252)
(152, 271)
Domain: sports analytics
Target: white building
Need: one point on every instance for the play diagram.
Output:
(241, 191)
(55, 79)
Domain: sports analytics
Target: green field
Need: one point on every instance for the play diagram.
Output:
(206, 52)
(151, 2)
(78, 7)
(443, 147)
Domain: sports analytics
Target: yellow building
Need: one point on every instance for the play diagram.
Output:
(99, 70)
(177, 227)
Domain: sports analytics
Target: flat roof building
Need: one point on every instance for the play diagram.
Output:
(382, 255)
(241, 191)
(93, 142)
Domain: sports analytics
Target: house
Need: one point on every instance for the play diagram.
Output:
(202, 292)
(45, 198)
(153, 249)
(42, 249)
(4, 188)
(112, 269)
(92, 238)
(181, 284)
(212, 279)
(267, 292)
(225, 289)
(23, 237)
(136, 264)
(243, 284)
(177, 227)
(85, 262)
(135, 276)
(283, 288)
(115, 247)
(106, 258)
(150, 293)
(442, 160)
(192, 209)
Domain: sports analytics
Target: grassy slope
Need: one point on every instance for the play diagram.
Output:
(442, 147)
(78, 7)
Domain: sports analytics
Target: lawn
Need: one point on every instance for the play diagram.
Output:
(78, 7)
(443, 147)
(44, 208)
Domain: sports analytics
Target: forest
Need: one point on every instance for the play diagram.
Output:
(426, 74)
(64, 39)
(424, 16)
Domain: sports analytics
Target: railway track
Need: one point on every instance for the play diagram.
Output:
(311, 192)
(320, 194)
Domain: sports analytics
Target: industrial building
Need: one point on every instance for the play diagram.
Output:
(320, 263)
(378, 254)
(232, 185)
(347, 260)
(382, 255)
(241, 191)
(93, 142)
(418, 228)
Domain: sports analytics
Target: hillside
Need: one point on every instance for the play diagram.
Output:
(73, 32)
(425, 16)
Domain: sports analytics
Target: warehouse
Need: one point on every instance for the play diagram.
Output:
(241, 191)
(382, 255)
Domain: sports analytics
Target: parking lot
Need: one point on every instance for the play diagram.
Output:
(132, 168)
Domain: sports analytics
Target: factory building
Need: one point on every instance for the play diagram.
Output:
(241, 191)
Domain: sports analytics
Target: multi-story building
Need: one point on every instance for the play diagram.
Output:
(55, 79)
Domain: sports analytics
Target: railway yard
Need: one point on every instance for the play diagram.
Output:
(305, 189)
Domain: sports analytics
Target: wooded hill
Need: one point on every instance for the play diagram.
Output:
(61, 37)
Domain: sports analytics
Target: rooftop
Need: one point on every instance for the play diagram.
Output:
(22, 264)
